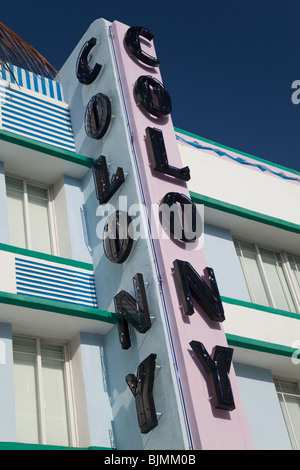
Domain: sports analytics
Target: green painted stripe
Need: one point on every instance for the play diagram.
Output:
(63, 308)
(46, 148)
(275, 311)
(194, 136)
(245, 213)
(46, 257)
(24, 446)
(261, 346)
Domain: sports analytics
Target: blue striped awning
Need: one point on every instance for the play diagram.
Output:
(54, 282)
(35, 109)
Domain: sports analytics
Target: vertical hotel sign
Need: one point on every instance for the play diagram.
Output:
(195, 314)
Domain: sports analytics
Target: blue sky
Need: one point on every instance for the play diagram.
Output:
(228, 65)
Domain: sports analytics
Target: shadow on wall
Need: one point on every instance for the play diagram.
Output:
(125, 424)
(221, 254)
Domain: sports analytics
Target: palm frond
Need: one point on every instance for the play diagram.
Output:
(15, 51)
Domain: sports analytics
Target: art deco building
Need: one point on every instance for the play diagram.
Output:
(149, 279)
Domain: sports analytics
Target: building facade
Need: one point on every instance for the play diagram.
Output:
(150, 282)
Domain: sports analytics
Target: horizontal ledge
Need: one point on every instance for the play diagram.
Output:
(24, 446)
(51, 150)
(245, 213)
(55, 306)
(261, 346)
(264, 308)
(46, 257)
(276, 165)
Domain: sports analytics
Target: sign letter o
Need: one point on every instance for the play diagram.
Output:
(97, 116)
(117, 243)
(153, 96)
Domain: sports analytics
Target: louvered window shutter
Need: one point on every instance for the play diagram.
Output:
(40, 392)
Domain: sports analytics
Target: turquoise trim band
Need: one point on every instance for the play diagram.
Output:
(255, 344)
(245, 213)
(24, 446)
(275, 311)
(63, 308)
(67, 155)
(261, 346)
(44, 256)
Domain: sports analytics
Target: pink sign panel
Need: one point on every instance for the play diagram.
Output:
(210, 428)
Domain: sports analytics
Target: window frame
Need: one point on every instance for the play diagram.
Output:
(287, 271)
(69, 389)
(50, 212)
(283, 395)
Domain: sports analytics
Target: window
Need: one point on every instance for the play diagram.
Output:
(42, 393)
(294, 262)
(272, 278)
(289, 398)
(29, 215)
